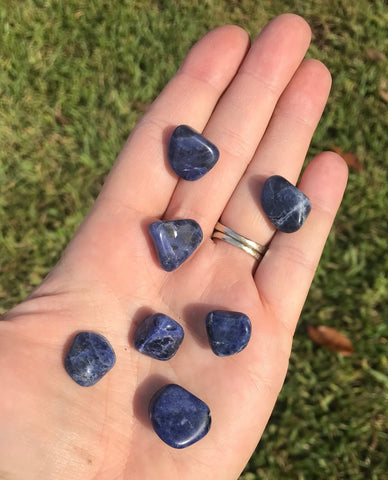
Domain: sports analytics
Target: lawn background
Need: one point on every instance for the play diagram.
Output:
(75, 76)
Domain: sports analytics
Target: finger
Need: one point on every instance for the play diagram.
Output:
(140, 178)
(285, 274)
(281, 151)
(241, 118)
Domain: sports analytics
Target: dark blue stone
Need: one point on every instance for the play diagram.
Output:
(158, 336)
(285, 206)
(228, 332)
(89, 358)
(190, 154)
(178, 417)
(175, 241)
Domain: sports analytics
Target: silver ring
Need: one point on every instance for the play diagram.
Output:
(249, 246)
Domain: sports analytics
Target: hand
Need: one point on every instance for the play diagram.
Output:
(260, 106)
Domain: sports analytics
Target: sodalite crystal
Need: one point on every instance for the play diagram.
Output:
(190, 154)
(228, 332)
(158, 336)
(285, 206)
(89, 358)
(179, 417)
(175, 241)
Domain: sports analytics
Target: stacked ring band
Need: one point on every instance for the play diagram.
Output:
(249, 246)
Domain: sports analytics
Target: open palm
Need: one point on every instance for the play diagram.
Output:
(260, 105)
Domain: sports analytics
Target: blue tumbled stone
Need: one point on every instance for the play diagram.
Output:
(175, 241)
(158, 336)
(190, 154)
(285, 206)
(179, 417)
(89, 358)
(228, 332)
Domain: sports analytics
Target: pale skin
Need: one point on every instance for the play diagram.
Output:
(260, 105)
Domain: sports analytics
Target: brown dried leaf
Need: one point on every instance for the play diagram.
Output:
(60, 118)
(350, 159)
(332, 339)
(142, 107)
(375, 55)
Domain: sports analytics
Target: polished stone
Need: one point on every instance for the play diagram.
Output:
(285, 206)
(175, 241)
(179, 417)
(228, 332)
(190, 154)
(89, 358)
(158, 336)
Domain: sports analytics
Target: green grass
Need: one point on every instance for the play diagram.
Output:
(75, 76)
